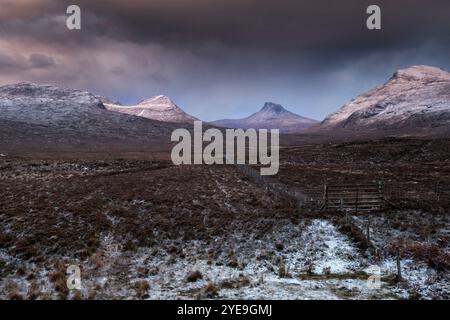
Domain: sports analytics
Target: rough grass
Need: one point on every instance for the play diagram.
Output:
(434, 256)
(62, 210)
(51, 212)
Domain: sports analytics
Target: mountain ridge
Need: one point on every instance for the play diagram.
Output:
(37, 116)
(160, 108)
(415, 100)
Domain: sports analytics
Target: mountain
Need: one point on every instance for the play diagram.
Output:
(159, 108)
(271, 116)
(415, 101)
(34, 116)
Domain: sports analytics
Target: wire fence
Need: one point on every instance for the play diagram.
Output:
(359, 197)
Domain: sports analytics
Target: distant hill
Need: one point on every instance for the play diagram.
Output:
(271, 116)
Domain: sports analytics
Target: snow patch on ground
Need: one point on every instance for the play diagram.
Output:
(319, 262)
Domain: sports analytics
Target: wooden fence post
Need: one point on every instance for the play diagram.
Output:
(325, 195)
(436, 191)
(356, 200)
(381, 194)
(399, 269)
(368, 230)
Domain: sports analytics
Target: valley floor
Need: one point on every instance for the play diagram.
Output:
(142, 229)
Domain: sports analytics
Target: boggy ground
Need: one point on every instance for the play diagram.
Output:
(147, 229)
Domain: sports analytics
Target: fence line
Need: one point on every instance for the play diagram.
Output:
(345, 197)
(357, 197)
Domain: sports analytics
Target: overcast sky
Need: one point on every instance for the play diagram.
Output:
(222, 58)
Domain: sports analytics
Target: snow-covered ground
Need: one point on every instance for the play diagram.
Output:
(309, 260)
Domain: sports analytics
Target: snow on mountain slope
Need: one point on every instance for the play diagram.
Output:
(271, 116)
(28, 108)
(44, 104)
(416, 99)
(159, 108)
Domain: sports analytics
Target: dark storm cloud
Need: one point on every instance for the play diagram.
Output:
(268, 25)
(222, 58)
(41, 61)
(23, 9)
(19, 62)
(272, 25)
(12, 62)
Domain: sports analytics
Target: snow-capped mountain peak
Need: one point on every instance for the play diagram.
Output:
(59, 115)
(413, 99)
(421, 73)
(161, 100)
(160, 108)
